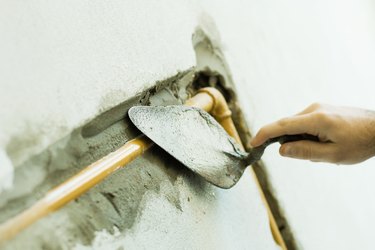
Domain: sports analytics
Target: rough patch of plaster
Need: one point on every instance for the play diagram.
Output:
(83, 145)
(216, 72)
(193, 208)
(204, 218)
(116, 198)
(103, 240)
(6, 171)
(136, 200)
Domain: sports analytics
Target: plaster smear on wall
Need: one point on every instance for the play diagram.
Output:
(153, 198)
(6, 172)
(201, 222)
(128, 53)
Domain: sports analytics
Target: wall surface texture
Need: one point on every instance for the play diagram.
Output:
(69, 70)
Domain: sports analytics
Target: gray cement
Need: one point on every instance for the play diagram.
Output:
(196, 139)
(153, 203)
(114, 202)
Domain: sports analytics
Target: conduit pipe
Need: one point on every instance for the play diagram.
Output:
(75, 186)
(208, 99)
(212, 100)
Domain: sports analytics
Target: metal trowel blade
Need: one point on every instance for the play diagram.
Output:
(195, 138)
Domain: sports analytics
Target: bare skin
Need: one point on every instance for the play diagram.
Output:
(347, 135)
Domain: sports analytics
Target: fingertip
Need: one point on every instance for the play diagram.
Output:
(255, 141)
(259, 138)
(285, 150)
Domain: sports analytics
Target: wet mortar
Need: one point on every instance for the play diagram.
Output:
(196, 139)
(115, 202)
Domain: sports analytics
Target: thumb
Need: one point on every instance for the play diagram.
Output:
(308, 150)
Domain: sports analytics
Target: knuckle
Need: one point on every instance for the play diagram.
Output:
(326, 120)
(283, 122)
(322, 117)
(262, 133)
(315, 105)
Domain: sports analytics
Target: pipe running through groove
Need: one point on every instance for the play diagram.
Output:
(208, 99)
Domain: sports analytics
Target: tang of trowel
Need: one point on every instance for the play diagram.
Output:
(197, 140)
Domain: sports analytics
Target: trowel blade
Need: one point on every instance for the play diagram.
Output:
(195, 138)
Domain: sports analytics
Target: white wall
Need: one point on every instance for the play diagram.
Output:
(63, 63)
(285, 55)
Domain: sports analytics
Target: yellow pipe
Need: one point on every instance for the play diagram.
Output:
(81, 182)
(208, 99)
(212, 101)
(75, 186)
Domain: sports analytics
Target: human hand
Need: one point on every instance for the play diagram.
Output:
(346, 135)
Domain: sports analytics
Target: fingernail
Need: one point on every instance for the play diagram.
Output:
(286, 151)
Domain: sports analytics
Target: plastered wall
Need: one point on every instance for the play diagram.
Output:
(69, 72)
(69, 69)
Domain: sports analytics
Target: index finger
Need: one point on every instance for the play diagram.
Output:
(299, 124)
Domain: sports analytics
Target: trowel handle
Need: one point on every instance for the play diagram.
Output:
(287, 138)
(257, 152)
(290, 138)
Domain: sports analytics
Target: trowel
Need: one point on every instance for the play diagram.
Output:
(197, 140)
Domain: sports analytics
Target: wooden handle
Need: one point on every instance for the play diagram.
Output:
(257, 152)
(290, 138)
